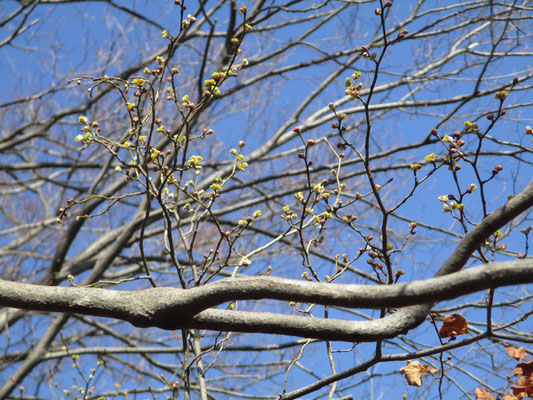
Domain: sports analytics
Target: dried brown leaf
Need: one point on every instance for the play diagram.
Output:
(413, 372)
(518, 353)
(509, 396)
(524, 369)
(454, 324)
(484, 394)
(523, 387)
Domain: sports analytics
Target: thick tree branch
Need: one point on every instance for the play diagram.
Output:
(170, 308)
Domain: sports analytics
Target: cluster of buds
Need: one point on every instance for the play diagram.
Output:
(288, 213)
(299, 197)
(349, 218)
(213, 85)
(171, 96)
(306, 276)
(211, 253)
(318, 188)
(453, 146)
(155, 154)
(189, 21)
(217, 187)
(159, 69)
(242, 166)
(194, 162)
(352, 90)
(62, 212)
(450, 203)
(156, 71)
(321, 219)
(187, 103)
(163, 129)
(87, 130)
(249, 219)
(366, 53)
(471, 127)
(457, 206)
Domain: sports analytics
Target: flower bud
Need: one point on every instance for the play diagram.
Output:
(501, 95)
(402, 33)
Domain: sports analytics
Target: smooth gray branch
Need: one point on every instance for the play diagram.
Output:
(171, 308)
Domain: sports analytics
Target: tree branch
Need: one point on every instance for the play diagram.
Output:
(171, 308)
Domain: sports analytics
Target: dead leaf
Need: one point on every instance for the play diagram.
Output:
(523, 387)
(509, 396)
(524, 369)
(518, 353)
(454, 324)
(413, 372)
(524, 383)
(484, 394)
